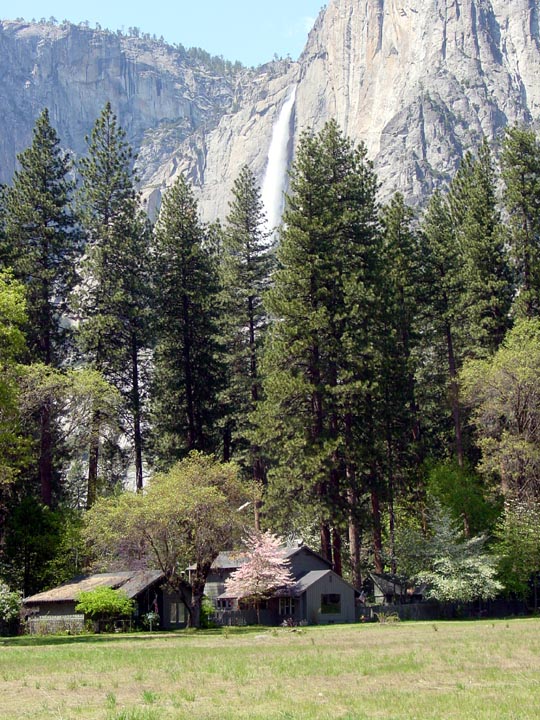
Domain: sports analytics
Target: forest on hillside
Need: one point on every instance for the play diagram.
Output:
(370, 375)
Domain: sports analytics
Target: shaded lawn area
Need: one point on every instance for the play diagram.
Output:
(479, 670)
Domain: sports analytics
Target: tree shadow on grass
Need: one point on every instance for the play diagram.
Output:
(44, 640)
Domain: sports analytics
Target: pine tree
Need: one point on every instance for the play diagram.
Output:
(246, 264)
(113, 299)
(402, 294)
(41, 243)
(487, 287)
(316, 416)
(187, 373)
(520, 160)
(442, 335)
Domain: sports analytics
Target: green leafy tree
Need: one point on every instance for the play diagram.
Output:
(104, 605)
(185, 516)
(520, 160)
(503, 392)
(41, 244)
(316, 419)
(10, 608)
(466, 496)
(246, 265)
(32, 540)
(112, 299)
(78, 396)
(454, 568)
(13, 445)
(518, 547)
(187, 371)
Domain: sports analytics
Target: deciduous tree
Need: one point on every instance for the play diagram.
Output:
(504, 394)
(266, 570)
(186, 516)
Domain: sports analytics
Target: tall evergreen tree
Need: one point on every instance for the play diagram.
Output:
(246, 265)
(41, 243)
(487, 288)
(187, 373)
(445, 278)
(316, 418)
(112, 300)
(399, 414)
(520, 162)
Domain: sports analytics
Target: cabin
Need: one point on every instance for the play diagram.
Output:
(54, 610)
(391, 589)
(320, 596)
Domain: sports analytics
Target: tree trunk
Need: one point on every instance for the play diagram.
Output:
(454, 394)
(188, 377)
(377, 531)
(354, 534)
(326, 541)
(391, 481)
(93, 461)
(45, 455)
(197, 593)
(136, 400)
(336, 552)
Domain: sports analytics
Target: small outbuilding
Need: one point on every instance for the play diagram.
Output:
(54, 610)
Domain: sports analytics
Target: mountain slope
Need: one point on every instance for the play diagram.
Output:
(419, 82)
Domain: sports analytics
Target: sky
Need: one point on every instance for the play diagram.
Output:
(251, 31)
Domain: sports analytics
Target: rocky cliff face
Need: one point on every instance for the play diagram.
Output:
(155, 89)
(419, 82)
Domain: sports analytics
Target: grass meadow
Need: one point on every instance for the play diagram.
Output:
(404, 671)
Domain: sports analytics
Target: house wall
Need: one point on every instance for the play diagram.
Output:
(215, 583)
(330, 584)
(56, 609)
(304, 560)
(174, 614)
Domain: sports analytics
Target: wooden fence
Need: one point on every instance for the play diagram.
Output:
(49, 624)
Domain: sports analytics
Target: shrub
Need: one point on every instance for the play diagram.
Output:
(104, 604)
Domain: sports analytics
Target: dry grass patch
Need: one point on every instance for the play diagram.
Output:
(476, 670)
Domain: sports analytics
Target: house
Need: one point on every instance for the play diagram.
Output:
(54, 609)
(320, 596)
(391, 589)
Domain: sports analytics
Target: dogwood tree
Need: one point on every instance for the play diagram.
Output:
(266, 571)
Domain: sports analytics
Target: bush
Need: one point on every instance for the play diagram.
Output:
(104, 604)
(10, 608)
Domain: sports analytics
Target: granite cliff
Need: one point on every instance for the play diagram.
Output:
(418, 82)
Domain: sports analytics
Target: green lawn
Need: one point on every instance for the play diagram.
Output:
(470, 670)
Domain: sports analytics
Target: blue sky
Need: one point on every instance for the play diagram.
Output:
(247, 30)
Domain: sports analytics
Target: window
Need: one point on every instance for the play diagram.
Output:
(287, 606)
(225, 604)
(178, 613)
(331, 604)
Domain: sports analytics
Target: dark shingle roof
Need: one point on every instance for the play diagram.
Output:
(131, 581)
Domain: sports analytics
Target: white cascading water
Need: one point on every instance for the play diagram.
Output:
(273, 185)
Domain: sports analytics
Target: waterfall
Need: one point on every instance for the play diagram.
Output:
(276, 169)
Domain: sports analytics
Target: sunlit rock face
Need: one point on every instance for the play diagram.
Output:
(419, 82)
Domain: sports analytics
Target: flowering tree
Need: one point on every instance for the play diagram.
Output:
(266, 571)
